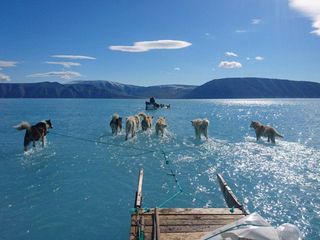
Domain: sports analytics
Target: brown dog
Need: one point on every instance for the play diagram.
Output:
(146, 121)
(265, 131)
(35, 132)
(132, 125)
(161, 125)
(200, 127)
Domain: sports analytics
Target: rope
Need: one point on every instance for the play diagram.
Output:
(142, 152)
(175, 179)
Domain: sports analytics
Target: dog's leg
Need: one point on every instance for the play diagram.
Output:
(133, 132)
(42, 139)
(258, 136)
(206, 134)
(26, 142)
(273, 139)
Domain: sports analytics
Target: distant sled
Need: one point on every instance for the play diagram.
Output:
(152, 105)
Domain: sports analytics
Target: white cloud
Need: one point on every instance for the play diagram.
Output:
(4, 64)
(65, 64)
(259, 58)
(255, 21)
(227, 64)
(145, 46)
(241, 31)
(231, 54)
(75, 57)
(63, 74)
(4, 78)
(311, 9)
(177, 69)
(248, 59)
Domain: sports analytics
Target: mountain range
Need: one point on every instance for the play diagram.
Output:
(218, 88)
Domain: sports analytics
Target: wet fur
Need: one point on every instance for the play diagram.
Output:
(160, 125)
(146, 122)
(265, 131)
(200, 127)
(116, 124)
(34, 133)
(132, 125)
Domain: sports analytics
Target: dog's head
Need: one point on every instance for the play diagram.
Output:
(195, 122)
(255, 124)
(48, 123)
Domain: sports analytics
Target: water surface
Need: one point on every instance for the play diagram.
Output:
(83, 186)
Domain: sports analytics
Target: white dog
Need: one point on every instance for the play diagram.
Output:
(132, 125)
(161, 125)
(200, 127)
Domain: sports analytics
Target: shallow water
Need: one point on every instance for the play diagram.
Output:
(83, 186)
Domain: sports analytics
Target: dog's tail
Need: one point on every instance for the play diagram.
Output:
(278, 134)
(23, 125)
(142, 114)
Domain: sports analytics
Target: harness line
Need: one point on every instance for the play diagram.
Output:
(143, 152)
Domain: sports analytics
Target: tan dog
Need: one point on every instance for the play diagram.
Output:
(132, 125)
(116, 124)
(265, 131)
(200, 127)
(146, 121)
(161, 125)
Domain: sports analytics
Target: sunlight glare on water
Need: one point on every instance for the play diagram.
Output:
(77, 189)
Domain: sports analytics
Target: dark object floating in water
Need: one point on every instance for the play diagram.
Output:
(152, 105)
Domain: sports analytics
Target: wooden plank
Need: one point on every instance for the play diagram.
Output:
(183, 236)
(156, 225)
(138, 201)
(201, 217)
(175, 222)
(136, 222)
(184, 229)
(178, 236)
(230, 198)
(196, 211)
(191, 217)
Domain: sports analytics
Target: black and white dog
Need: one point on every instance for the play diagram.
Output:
(35, 132)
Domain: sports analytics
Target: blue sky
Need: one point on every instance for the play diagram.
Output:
(158, 42)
